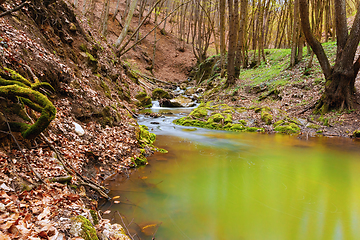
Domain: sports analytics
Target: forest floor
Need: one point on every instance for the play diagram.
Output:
(94, 132)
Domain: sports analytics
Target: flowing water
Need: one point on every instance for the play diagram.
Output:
(223, 185)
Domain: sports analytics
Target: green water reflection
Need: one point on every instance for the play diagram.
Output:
(246, 186)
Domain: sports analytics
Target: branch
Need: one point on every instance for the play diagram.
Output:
(14, 9)
(138, 28)
(135, 44)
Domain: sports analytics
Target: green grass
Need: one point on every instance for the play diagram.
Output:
(275, 72)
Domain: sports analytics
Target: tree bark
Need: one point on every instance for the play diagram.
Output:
(222, 4)
(233, 31)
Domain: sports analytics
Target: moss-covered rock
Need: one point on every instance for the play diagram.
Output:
(216, 118)
(199, 112)
(82, 227)
(356, 134)
(266, 117)
(237, 127)
(144, 136)
(143, 100)
(159, 93)
(288, 128)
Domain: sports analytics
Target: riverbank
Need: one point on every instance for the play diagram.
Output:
(270, 98)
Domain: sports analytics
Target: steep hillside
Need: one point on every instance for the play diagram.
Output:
(49, 181)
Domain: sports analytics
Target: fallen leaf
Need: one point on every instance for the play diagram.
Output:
(4, 237)
(44, 213)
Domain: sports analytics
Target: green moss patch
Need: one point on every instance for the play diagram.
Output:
(82, 227)
(143, 100)
(288, 128)
(356, 134)
(159, 93)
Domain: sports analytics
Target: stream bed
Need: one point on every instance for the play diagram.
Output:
(227, 185)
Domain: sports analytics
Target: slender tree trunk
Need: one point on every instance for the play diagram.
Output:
(233, 6)
(116, 9)
(222, 5)
(105, 18)
(295, 34)
(241, 38)
(127, 24)
(84, 7)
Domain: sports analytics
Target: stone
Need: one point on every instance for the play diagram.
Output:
(115, 231)
(72, 27)
(78, 129)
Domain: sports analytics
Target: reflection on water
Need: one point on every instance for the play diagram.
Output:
(221, 185)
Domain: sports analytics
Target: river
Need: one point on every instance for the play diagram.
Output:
(225, 185)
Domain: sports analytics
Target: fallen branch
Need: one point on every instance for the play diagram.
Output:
(14, 9)
(131, 112)
(62, 179)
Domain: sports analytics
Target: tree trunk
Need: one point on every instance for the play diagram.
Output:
(233, 31)
(340, 79)
(127, 24)
(241, 38)
(222, 4)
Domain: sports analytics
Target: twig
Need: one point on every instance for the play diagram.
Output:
(131, 112)
(135, 44)
(22, 152)
(125, 225)
(14, 9)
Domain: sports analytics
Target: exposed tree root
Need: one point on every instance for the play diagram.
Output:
(13, 85)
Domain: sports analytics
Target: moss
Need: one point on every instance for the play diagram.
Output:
(95, 217)
(313, 126)
(288, 128)
(83, 48)
(13, 75)
(199, 112)
(143, 100)
(48, 111)
(278, 123)
(91, 58)
(228, 119)
(161, 150)
(144, 136)
(216, 118)
(254, 129)
(356, 134)
(106, 89)
(237, 127)
(159, 93)
(88, 230)
(243, 122)
(266, 117)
